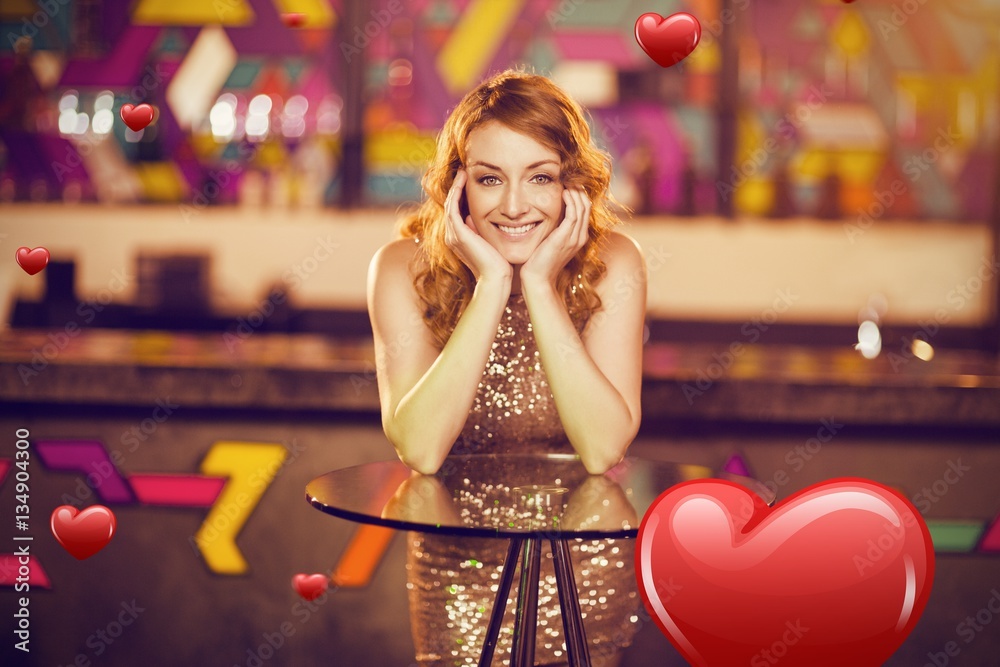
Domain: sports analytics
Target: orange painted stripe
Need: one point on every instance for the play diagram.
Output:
(362, 556)
(365, 550)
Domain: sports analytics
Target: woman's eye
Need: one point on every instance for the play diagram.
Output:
(544, 179)
(493, 180)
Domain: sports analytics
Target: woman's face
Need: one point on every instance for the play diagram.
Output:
(514, 190)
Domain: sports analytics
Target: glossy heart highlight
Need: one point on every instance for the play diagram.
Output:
(837, 574)
(32, 260)
(137, 117)
(310, 586)
(667, 40)
(84, 533)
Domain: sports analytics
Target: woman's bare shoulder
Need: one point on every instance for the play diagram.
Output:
(621, 251)
(397, 259)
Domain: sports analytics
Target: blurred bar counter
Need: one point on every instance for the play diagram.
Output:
(321, 374)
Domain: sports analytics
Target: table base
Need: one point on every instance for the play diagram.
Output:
(526, 618)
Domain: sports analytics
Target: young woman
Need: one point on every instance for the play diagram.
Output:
(509, 318)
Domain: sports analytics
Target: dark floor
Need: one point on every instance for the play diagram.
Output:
(192, 616)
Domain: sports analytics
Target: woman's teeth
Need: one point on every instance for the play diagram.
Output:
(517, 231)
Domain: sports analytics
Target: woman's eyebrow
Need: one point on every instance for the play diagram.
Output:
(496, 168)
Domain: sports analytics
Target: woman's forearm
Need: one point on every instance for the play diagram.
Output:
(595, 416)
(430, 417)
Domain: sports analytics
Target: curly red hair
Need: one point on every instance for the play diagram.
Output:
(534, 106)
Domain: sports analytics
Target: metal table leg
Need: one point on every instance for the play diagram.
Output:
(569, 603)
(526, 623)
(500, 603)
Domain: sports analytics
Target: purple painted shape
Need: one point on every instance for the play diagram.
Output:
(432, 101)
(655, 129)
(90, 458)
(122, 68)
(975, 185)
(267, 35)
(737, 466)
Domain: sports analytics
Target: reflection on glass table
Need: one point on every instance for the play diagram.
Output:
(522, 498)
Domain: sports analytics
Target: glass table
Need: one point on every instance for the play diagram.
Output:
(526, 499)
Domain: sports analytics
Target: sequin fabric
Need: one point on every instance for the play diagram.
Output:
(452, 582)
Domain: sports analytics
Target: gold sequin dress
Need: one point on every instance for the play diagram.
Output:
(452, 582)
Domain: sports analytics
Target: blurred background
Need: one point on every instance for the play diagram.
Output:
(816, 189)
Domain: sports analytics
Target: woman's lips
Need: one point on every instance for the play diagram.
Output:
(516, 231)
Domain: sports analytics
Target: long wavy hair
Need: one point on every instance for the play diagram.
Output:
(534, 106)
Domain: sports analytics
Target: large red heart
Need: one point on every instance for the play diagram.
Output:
(667, 40)
(837, 574)
(310, 586)
(84, 533)
(32, 260)
(137, 117)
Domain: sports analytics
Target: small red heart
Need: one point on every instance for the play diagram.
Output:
(667, 40)
(293, 19)
(310, 586)
(84, 533)
(32, 260)
(837, 574)
(137, 117)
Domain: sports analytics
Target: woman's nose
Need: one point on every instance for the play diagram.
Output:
(515, 203)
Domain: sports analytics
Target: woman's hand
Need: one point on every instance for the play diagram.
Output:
(565, 241)
(462, 238)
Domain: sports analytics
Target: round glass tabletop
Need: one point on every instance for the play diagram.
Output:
(494, 495)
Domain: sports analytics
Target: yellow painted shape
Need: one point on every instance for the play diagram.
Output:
(161, 181)
(250, 467)
(269, 153)
(689, 471)
(480, 30)
(859, 166)
(205, 146)
(849, 34)
(399, 146)
(811, 164)
(318, 13)
(192, 12)
(706, 57)
(755, 197)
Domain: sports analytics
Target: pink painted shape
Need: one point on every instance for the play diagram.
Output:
(737, 466)
(9, 564)
(991, 540)
(609, 47)
(177, 490)
(5, 465)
